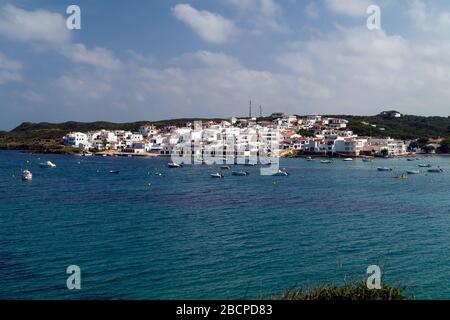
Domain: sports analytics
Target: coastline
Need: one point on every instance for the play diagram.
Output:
(112, 153)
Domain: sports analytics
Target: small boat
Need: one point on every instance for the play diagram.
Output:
(413, 172)
(326, 161)
(384, 169)
(410, 159)
(250, 164)
(225, 167)
(436, 170)
(27, 175)
(175, 165)
(159, 174)
(48, 164)
(217, 175)
(367, 160)
(309, 158)
(240, 173)
(281, 173)
(114, 171)
(424, 165)
(402, 177)
(348, 159)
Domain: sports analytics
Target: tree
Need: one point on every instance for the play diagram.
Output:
(429, 148)
(445, 146)
(422, 142)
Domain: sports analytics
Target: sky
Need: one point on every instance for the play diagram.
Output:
(148, 60)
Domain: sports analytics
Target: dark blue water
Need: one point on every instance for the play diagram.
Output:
(184, 235)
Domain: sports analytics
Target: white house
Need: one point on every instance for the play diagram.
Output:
(74, 139)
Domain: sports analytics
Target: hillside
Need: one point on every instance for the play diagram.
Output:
(406, 127)
(46, 137)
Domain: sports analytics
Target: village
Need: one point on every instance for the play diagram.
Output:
(312, 135)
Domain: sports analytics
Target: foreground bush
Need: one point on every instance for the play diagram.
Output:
(350, 292)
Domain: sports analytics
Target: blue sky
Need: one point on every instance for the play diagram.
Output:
(149, 60)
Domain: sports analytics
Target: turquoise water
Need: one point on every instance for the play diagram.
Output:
(184, 235)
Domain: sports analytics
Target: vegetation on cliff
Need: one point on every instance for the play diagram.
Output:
(357, 291)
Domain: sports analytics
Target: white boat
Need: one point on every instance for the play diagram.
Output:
(413, 172)
(225, 167)
(27, 175)
(281, 173)
(217, 175)
(348, 159)
(174, 165)
(384, 169)
(48, 164)
(424, 165)
(240, 173)
(309, 158)
(326, 161)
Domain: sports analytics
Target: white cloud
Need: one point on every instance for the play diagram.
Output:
(426, 18)
(10, 70)
(40, 25)
(366, 70)
(312, 10)
(211, 27)
(263, 15)
(98, 56)
(47, 31)
(352, 8)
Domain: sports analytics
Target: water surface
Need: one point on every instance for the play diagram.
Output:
(183, 235)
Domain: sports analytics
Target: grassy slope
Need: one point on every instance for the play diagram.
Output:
(349, 292)
(407, 127)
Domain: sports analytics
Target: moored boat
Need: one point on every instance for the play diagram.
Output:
(225, 167)
(413, 172)
(348, 159)
(240, 173)
(436, 170)
(281, 173)
(27, 175)
(174, 165)
(384, 169)
(217, 175)
(48, 164)
(326, 161)
(424, 165)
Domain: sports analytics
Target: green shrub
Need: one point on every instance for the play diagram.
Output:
(357, 291)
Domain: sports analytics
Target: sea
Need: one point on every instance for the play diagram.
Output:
(150, 232)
